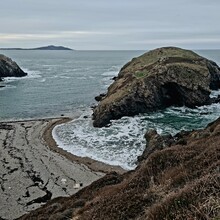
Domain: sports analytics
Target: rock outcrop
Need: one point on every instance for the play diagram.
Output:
(9, 68)
(158, 79)
(177, 178)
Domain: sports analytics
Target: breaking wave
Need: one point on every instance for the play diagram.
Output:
(122, 142)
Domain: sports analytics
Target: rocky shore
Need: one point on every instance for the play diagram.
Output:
(177, 178)
(32, 173)
(158, 79)
(8, 68)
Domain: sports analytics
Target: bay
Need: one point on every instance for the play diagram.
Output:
(66, 82)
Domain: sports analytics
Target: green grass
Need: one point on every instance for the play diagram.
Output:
(140, 74)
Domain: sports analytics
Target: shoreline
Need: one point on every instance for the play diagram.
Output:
(35, 170)
(94, 165)
(31, 172)
(47, 136)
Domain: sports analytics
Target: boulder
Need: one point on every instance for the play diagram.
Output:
(100, 97)
(158, 79)
(8, 68)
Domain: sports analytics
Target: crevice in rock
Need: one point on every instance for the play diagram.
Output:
(42, 199)
(12, 171)
(2, 180)
(26, 133)
(35, 178)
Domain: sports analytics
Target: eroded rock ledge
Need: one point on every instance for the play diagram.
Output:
(8, 68)
(158, 79)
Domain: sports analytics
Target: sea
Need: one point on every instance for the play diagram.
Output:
(66, 82)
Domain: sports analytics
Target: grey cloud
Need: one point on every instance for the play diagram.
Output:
(115, 24)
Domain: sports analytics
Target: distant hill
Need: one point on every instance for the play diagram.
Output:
(50, 47)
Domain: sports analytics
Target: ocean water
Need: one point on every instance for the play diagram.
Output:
(66, 82)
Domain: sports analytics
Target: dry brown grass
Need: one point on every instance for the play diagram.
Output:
(178, 182)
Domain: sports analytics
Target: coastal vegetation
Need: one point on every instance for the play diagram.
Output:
(177, 177)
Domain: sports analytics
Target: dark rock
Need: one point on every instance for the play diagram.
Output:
(100, 97)
(93, 106)
(155, 142)
(5, 126)
(156, 80)
(9, 68)
(214, 100)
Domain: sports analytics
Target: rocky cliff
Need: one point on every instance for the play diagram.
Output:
(158, 79)
(177, 178)
(9, 68)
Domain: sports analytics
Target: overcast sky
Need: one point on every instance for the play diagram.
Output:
(110, 24)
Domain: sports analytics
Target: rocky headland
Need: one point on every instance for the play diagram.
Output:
(9, 68)
(158, 79)
(177, 177)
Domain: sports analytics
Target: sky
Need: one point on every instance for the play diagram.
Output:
(110, 24)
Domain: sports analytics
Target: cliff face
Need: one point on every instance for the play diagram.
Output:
(9, 68)
(158, 79)
(177, 178)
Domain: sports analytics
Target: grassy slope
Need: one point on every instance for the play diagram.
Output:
(181, 181)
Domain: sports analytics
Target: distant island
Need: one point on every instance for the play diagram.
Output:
(50, 47)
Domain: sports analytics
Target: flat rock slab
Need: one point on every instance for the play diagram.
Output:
(30, 173)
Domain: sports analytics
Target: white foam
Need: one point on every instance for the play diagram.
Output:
(214, 93)
(119, 144)
(31, 74)
(10, 79)
(5, 86)
(42, 80)
(122, 142)
(110, 73)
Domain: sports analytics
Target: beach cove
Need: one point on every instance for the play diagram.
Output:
(46, 158)
(32, 173)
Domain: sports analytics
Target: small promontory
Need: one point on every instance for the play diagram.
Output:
(8, 68)
(158, 79)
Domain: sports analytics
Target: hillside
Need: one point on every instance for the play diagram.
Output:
(50, 47)
(178, 179)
